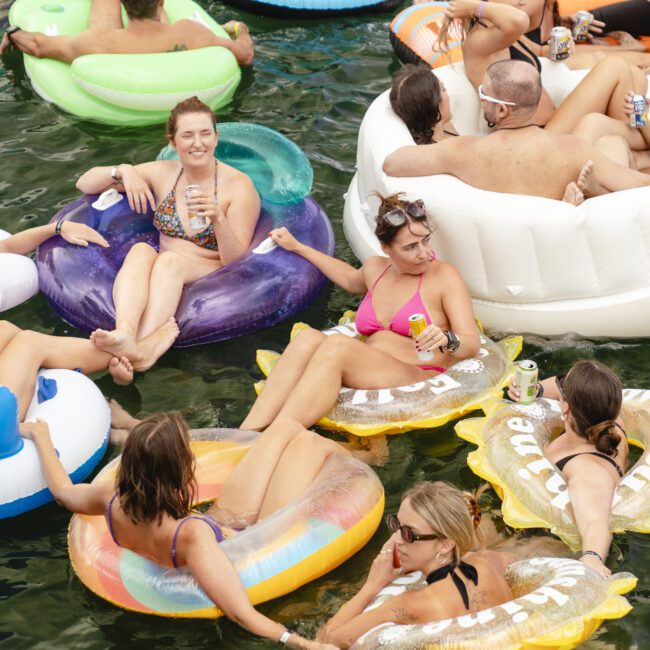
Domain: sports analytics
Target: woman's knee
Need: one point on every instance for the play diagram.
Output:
(141, 253)
(335, 347)
(168, 264)
(307, 341)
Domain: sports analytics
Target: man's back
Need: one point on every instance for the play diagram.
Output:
(523, 160)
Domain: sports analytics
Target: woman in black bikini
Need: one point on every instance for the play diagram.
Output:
(494, 32)
(434, 531)
(147, 509)
(148, 287)
(592, 452)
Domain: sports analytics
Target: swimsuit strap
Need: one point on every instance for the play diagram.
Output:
(379, 277)
(468, 570)
(201, 517)
(616, 424)
(109, 519)
(178, 178)
(563, 461)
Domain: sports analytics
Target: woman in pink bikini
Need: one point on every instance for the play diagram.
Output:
(306, 380)
(148, 287)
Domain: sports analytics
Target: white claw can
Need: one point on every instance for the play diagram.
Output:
(526, 378)
(417, 325)
(560, 43)
(581, 26)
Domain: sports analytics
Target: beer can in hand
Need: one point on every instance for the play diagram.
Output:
(639, 117)
(581, 26)
(197, 221)
(560, 43)
(526, 378)
(417, 325)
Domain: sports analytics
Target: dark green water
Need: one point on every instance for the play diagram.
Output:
(312, 81)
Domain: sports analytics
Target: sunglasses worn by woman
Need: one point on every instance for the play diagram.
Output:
(459, 579)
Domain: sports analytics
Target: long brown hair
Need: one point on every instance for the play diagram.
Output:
(415, 97)
(384, 230)
(593, 393)
(190, 105)
(450, 513)
(156, 473)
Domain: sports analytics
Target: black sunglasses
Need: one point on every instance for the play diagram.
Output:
(405, 531)
(559, 382)
(398, 216)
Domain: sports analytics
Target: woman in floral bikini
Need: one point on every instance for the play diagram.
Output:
(148, 287)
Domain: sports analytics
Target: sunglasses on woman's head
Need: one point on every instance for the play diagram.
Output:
(406, 531)
(398, 216)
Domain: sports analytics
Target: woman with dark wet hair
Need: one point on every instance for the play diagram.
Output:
(305, 382)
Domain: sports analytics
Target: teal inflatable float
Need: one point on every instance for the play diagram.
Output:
(130, 89)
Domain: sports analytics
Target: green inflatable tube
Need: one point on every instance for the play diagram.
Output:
(129, 89)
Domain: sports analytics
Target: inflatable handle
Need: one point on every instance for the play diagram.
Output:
(266, 246)
(10, 441)
(106, 199)
(279, 169)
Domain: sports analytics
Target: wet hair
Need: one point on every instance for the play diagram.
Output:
(450, 513)
(415, 97)
(156, 472)
(515, 81)
(140, 8)
(384, 230)
(593, 393)
(190, 105)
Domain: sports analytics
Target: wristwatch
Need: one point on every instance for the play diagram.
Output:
(453, 342)
(10, 31)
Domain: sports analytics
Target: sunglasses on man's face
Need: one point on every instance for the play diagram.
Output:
(398, 216)
(407, 533)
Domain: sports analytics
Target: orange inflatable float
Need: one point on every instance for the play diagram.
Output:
(414, 35)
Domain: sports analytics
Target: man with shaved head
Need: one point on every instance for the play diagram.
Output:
(518, 157)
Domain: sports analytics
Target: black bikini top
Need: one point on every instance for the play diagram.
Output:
(468, 570)
(527, 55)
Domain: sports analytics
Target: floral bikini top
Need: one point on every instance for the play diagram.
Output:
(167, 221)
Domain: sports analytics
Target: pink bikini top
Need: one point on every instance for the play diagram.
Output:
(366, 319)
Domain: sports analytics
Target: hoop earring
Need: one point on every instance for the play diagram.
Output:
(438, 560)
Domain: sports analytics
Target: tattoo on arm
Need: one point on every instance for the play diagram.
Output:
(402, 615)
(179, 47)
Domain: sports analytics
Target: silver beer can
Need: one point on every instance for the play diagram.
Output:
(197, 221)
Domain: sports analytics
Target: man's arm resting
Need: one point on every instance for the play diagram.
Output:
(421, 160)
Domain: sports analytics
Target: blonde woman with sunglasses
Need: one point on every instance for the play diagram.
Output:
(435, 532)
(305, 382)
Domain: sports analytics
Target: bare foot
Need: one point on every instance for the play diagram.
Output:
(121, 419)
(587, 182)
(118, 437)
(119, 343)
(121, 370)
(152, 347)
(573, 195)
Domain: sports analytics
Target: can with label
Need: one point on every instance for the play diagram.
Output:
(197, 221)
(417, 325)
(581, 26)
(560, 43)
(526, 378)
(639, 117)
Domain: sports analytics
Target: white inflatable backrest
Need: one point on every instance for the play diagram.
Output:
(603, 244)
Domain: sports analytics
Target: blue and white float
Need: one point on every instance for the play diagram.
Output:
(79, 422)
